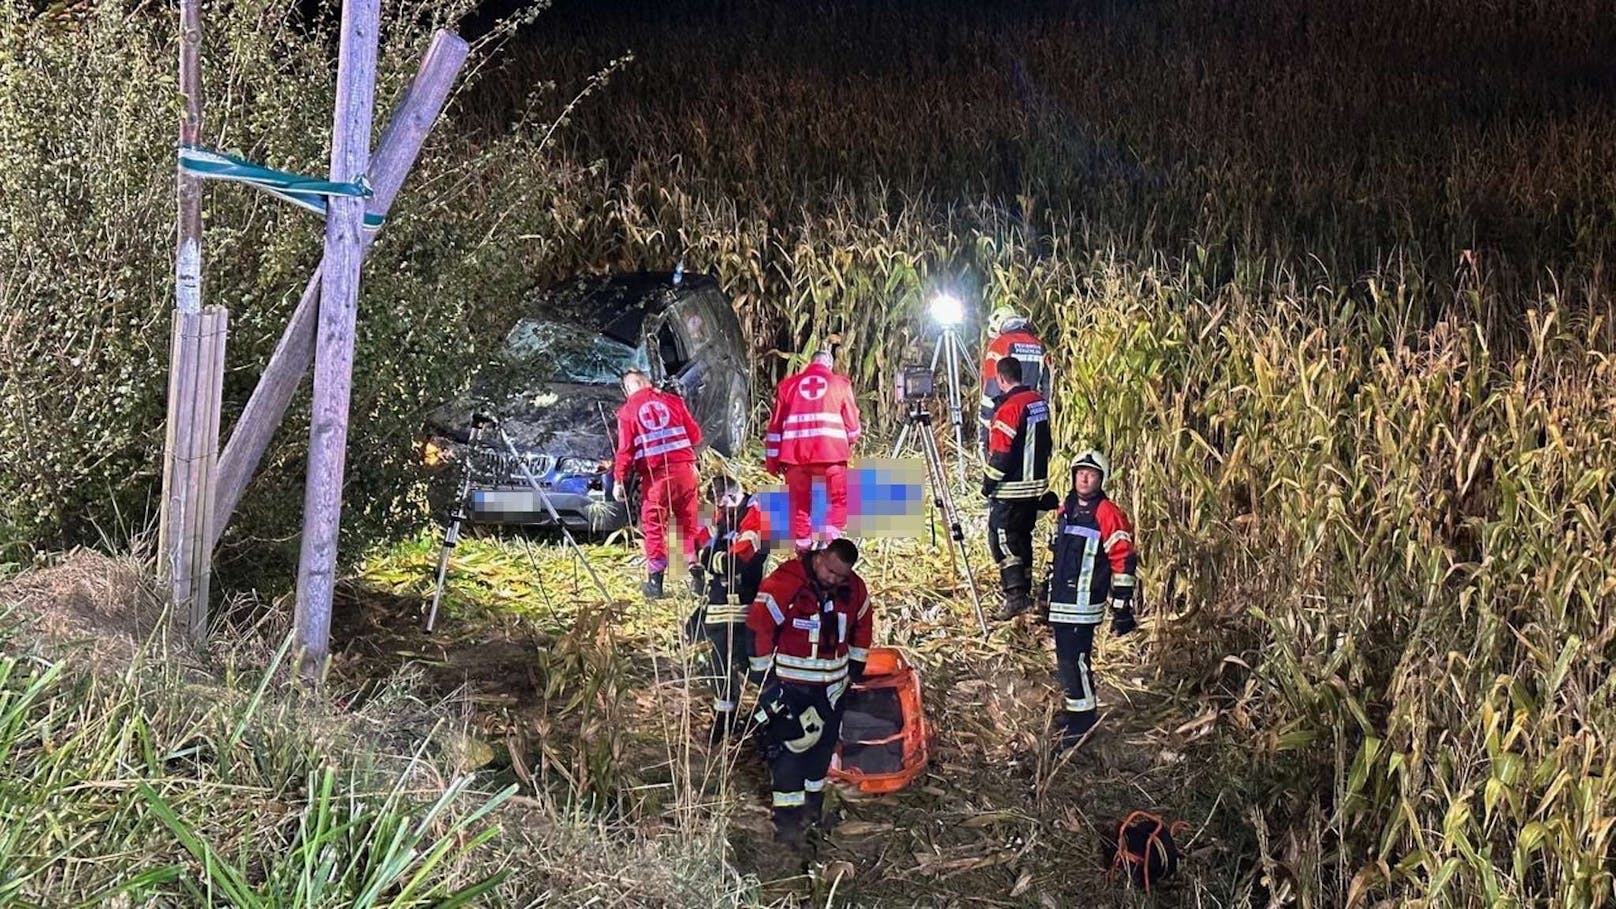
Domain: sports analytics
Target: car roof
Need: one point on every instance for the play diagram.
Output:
(617, 305)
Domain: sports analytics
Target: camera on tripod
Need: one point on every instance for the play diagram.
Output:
(916, 384)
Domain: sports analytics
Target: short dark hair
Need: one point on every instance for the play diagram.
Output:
(843, 548)
(1009, 368)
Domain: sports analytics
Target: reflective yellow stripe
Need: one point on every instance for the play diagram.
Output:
(859, 654)
(790, 799)
(812, 676)
(796, 662)
(814, 785)
(1115, 538)
(762, 663)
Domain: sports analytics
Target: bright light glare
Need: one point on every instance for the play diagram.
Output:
(947, 311)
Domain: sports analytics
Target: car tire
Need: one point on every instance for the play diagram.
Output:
(737, 417)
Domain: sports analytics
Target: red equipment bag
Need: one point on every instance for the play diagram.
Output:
(884, 734)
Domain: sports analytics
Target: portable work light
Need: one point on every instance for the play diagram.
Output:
(947, 311)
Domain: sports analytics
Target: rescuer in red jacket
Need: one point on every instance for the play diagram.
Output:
(1093, 569)
(811, 435)
(657, 437)
(734, 553)
(811, 628)
(1016, 478)
(1009, 336)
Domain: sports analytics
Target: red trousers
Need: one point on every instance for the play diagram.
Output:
(799, 497)
(668, 491)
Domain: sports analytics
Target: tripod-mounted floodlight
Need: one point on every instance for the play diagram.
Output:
(948, 312)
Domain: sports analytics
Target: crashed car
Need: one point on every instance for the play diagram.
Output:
(554, 389)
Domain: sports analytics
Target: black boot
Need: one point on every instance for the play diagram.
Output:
(788, 827)
(1016, 588)
(818, 819)
(723, 726)
(1070, 727)
(653, 586)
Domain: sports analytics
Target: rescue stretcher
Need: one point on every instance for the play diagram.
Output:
(884, 737)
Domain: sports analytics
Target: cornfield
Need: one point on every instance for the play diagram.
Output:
(1328, 285)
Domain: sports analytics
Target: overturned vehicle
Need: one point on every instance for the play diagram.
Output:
(554, 388)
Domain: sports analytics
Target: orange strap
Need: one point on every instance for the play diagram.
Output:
(1153, 841)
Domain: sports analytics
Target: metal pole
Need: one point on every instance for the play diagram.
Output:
(951, 338)
(527, 474)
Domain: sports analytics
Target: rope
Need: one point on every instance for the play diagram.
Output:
(1126, 856)
(308, 193)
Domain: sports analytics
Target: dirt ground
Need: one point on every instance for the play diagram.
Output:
(994, 820)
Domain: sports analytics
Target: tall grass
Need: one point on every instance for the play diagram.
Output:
(165, 780)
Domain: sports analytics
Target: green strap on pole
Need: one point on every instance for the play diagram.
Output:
(305, 192)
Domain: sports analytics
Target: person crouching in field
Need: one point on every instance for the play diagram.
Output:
(1093, 565)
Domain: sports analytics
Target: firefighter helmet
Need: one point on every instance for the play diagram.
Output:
(1093, 460)
(1003, 319)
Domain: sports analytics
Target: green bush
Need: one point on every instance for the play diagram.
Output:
(88, 107)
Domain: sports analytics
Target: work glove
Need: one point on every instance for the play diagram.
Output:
(620, 492)
(1122, 617)
(756, 676)
(855, 670)
(1048, 502)
(988, 486)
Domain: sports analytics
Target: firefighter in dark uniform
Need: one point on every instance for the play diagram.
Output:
(1010, 335)
(733, 555)
(1016, 479)
(1093, 568)
(811, 628)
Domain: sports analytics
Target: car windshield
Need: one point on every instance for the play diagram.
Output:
(570, 353)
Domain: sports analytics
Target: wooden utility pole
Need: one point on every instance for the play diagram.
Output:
(396, 152)
(334, 341)
(196, 372)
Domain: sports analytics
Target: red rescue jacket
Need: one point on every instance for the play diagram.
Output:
(815, 420)
(1025, 347)
(654, 429)
(806, 634)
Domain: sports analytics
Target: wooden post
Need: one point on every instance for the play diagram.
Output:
(182, 564)
(334, 342)
(395, 155)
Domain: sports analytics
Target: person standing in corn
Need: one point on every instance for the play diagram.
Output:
(657, 437)
(811, 629)
(1009, 335)
(1016, 478)
(734, 554)
(1093, 567)
(812, 430)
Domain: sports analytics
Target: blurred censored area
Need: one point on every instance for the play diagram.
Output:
(885, 498)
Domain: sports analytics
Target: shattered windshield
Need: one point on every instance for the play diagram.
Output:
(570, 353)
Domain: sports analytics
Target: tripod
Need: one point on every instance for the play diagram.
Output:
(948, 343)
(918, 424)
(451, 537)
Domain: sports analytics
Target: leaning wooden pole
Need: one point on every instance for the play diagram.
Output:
(182, 560)
(396, 152)
(334, 341)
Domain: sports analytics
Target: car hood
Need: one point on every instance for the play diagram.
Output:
(564, 419)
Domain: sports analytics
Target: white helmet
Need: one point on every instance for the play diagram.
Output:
(1003, 319)
(1093, 460)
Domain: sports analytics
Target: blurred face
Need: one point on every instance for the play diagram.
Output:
(1086, 480)
(829, 570)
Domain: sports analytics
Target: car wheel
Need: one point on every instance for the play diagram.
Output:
(737, 418)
